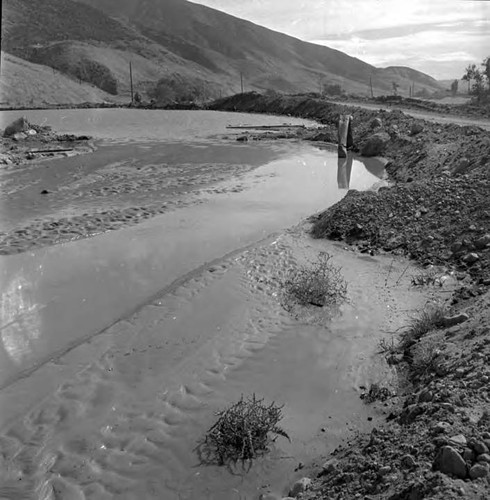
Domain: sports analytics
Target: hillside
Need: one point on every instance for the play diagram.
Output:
(94, 40)
(28, 84)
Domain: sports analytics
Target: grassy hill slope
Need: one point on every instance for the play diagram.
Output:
(176, 39)
(24, 84)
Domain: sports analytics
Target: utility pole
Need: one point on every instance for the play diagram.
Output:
(371, 85)
(241, 80)
(131, 80)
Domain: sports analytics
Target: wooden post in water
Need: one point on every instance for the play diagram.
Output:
(345, 135)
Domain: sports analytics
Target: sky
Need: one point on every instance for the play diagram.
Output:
(438, 37)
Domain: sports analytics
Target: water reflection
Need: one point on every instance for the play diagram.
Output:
(344, 171)
(19, 319)
(375, 166)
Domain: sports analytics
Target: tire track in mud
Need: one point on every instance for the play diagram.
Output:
(93, 439)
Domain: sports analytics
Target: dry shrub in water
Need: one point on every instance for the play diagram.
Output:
(242, 431)
(320, 284)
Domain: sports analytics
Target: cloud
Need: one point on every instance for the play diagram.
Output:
(381, 32)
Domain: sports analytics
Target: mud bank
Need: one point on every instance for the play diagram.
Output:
(416, 148)
(436, 439)
(38, 142)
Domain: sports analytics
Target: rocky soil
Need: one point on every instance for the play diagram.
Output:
(23, 141)
(435, 443)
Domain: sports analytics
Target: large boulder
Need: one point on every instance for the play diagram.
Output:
(18, 126)
(375, 145)
(449, 461)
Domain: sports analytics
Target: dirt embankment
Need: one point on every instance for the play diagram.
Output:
(437, 211)
(23, 141)
(436, 441)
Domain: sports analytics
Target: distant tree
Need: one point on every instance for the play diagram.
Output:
(478, 88)
(486, 70)
(454, 87)
(469, 75)
(332, 89)
(395, 87)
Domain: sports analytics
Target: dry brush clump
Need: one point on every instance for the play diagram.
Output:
(319, 284)
(242, 432)
(430, 318)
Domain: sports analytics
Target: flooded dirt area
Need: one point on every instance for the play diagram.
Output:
(120, 415)
(143, 292)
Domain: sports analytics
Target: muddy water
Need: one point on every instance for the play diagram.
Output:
(116, 350)
(125, 411)
(117, 126)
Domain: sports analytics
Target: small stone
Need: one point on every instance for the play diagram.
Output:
(44, 191)
(448, 321)
(330, 467)
(449, 461)
(469, 455)
(482, 242)
(448, 407)
(441, 427)
(425, 396)
(484, 457)
(471, 258)
(383, 471)
(479, 447)
(408, 462)
(20, 136)
(416, 128)
(300, 486)
(458, 440)
(376, 123)
(479, 470)
(242, 138)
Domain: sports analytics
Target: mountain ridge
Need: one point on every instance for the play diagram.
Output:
(179, 41)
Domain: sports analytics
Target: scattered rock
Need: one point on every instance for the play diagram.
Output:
(19, 136)
(330, 466)
(408, 462)
(300, 486)
(449, 321)
(458, 440)
(376, 123)
(479, 470)
(470, 258)
(416, 128)
(242, 138)
(441, 427)
(478, 446)
(375, 145)
(45, 191)
(482, 242)
(18, 126)
(449, 461)
(270, 496)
